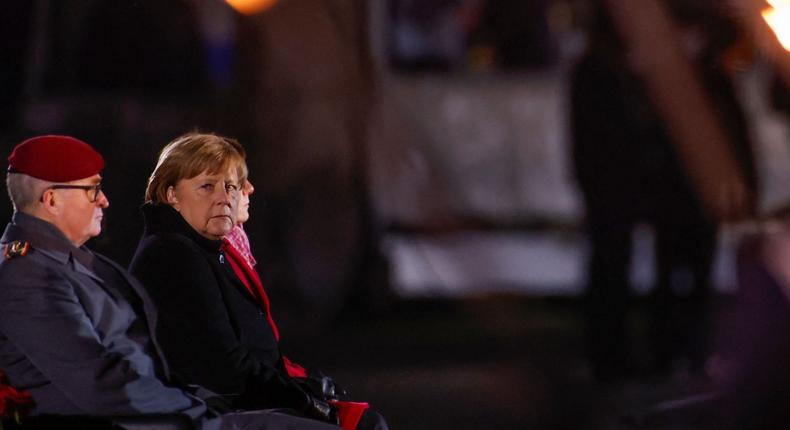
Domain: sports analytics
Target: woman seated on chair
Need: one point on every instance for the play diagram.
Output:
(214, 323)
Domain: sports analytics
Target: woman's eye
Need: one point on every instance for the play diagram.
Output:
(207, 187)
(231, 187)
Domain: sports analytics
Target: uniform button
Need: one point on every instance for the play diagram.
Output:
(221, 259)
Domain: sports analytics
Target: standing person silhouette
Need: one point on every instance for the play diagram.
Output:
(629, 173)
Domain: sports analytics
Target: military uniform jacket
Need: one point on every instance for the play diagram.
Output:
(69, 333)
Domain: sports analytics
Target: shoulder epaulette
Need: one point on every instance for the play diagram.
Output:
(15, 249)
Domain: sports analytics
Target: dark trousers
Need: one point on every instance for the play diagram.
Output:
(678, 305)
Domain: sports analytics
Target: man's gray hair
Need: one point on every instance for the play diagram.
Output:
(25, 190)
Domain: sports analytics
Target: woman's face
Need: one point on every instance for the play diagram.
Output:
(243, 213)
(208, 202)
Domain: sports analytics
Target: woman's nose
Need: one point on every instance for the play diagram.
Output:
(226, 194)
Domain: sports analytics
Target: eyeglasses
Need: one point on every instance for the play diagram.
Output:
(94, 191)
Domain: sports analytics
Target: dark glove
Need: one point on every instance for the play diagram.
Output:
(330, 389)
(322, 386)
(294, 396)
(319, 410)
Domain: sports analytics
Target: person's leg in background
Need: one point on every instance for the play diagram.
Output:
(681, 303)
(607, 298)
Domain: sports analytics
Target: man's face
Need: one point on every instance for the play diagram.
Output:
(79, 218)
(208, 202)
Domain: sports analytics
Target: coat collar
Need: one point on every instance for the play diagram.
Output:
(47, 239)
(41, 235)
(164, 219)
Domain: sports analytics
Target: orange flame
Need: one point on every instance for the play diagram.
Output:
(778, 18)
(249, 7)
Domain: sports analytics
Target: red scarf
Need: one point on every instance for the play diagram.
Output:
(350, 412)
(249, 277)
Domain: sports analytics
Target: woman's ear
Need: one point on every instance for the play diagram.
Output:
(171, 196)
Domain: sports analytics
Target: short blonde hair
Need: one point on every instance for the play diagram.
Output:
(190, 155)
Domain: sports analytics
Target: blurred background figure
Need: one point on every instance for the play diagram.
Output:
(753, 348)
(629, 173)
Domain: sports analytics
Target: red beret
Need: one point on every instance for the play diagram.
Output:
(55, 159)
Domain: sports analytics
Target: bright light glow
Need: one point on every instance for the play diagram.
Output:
(778, 18)
(249, 7)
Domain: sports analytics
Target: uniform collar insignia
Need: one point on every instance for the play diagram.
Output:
(15, 249)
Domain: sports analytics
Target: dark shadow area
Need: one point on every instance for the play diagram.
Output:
(498, 362)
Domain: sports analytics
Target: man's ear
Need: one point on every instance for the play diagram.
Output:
(49, 200)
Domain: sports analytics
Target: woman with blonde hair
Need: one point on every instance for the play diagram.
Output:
(214, 324)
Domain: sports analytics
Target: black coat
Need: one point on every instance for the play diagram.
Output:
(212, 331)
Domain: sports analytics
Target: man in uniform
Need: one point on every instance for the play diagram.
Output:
(69, 327)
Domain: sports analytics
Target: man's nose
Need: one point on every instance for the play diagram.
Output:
(103, 201)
